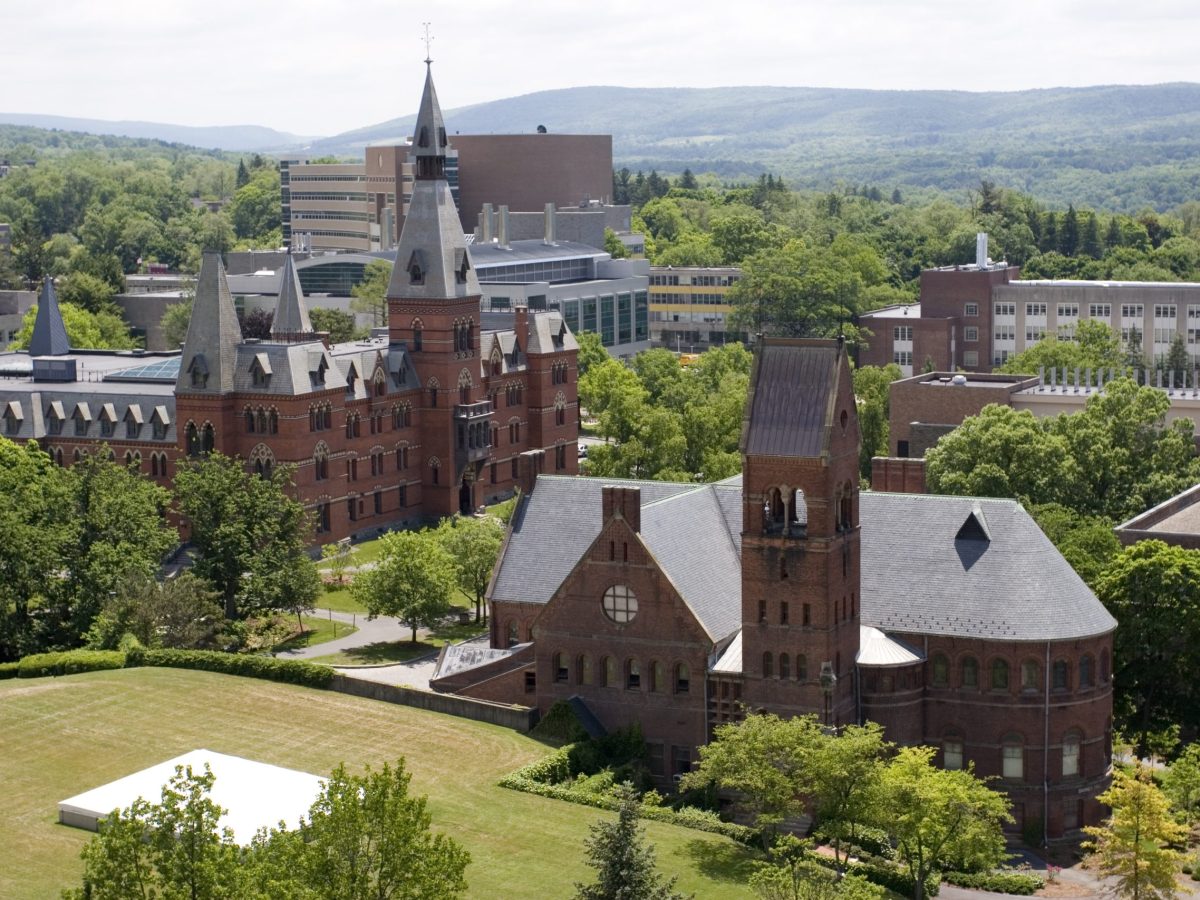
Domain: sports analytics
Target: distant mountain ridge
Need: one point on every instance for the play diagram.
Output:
(222, 137)
(1117, 147)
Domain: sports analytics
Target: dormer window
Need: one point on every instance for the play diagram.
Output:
(108, 420)
(441, 137)
(351, 380)
(12, 420)
(260, 371)
(54, 417)
(198, 370)
(462, 265)
(423, 137)
(416, 268)
(133, 421)
(317, 366)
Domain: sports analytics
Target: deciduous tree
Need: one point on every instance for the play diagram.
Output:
(370, 294)
(413, 580)
(1134, 843)
(1181, 783)
(473, 545)
(338, 324)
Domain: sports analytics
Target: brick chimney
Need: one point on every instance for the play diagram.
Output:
(623, 501)
(529, 464)
(521, 326)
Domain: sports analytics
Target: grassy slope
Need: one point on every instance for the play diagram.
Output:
(65, 735)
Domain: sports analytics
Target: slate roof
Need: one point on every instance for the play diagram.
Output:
(917, 578)
(291, 312)
(49, 337)
(548, 333)
(790, 408)
(683, 525)
(878, 649)
(290, 367)
(33, 404)
(213, 333)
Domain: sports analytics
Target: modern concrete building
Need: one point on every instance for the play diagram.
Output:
(13, 306)
(951, 621)
(689, 307)
(974, 317)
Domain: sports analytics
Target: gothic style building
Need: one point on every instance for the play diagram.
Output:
(432, 417)
(952, 621)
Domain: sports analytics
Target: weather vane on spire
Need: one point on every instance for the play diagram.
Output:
(428, 42)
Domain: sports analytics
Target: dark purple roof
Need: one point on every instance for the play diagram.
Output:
(790, 388)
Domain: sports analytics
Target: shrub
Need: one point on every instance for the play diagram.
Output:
(550, 769)
(9, 669)
(560, 725)
(1002, 881)
(885, 875)
(290, 671)
(69, 662)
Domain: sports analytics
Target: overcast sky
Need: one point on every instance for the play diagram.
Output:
(319, 67)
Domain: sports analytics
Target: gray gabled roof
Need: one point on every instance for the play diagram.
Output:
(290, 368)
(49, 336)
(213, 333)
(685, 526)
(1008, 583)
(792, 385)
(291, 312)
(548, 333)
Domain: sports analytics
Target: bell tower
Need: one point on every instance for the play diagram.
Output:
(433, 307)
(800, 534)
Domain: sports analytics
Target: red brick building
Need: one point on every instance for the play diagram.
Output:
(428, 419)
(952, 621)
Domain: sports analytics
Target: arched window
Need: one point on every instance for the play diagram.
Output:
(1060, 675)
(193, 439)
(658, 677)
(1030, 675)
(321, 462)
(682, 678)
(207, 438)
(1085, 671)
(418, 335)
(583, 669)
(952, 753)
(633, 675)
(941, 670)
(249, 420)
(1070, 755)
(774, 511)
(785, 666)
(801, 667)
(1013, 763)
(767, 666)
(970, 672)
(514, 634)
(1104, 666)
(561, 673)
(273, 422)
(609, 671)
(999, 675)
(261, 416)
(799, 511)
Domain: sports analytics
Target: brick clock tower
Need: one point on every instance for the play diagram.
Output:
(433, 306)
(800, 532)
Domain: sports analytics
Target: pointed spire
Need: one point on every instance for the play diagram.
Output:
(49, 336)
(291, 312)
(432, 261)
(210, 351)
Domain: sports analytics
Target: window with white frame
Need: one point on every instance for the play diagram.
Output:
(971, 333)
(952, 754)
(1193, 325)
(1070, 755)
(1035, 309)
(1165, 311)
(902, 357)
(902, 333)
(1068, 310)
(1133, 311)
(1005, 310)
(1034, 333)
(1005, 332)
(970, 358)
(971, 309)
(1164, 335)
(1100, 311)
(1014, 758)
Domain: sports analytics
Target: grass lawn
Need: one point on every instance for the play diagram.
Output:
(316, 631)
(61, 736)
(342, 600)
(383, 652)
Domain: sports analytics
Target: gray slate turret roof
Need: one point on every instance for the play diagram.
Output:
(790, 407)
(291, 312)
(431, 241)
(213, 334)
(49, 336)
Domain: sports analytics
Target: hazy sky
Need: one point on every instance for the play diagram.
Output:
(324, 66)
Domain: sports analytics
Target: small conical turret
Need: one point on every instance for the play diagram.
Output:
(49, 336)
(210, 351)
(291, 320)
(432, 261)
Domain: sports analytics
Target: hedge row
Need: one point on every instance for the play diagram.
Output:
(291, 671)
(1002, 881)
(688, 817)
(885, 875)
(70, 662)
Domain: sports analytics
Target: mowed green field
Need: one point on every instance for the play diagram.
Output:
(62, 736)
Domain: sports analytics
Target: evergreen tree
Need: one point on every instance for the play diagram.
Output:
(1089, 244)
(687, 180)
(624, 864)
(1049, 241)
(1112, 237)
(1177, 360)
(1068, 236)
(243, 175)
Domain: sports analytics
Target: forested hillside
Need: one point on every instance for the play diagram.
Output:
(1111, 147)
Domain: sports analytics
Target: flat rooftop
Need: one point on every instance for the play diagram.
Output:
(901, 311)
(255, 795)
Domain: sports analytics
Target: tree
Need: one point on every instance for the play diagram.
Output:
(370, 294)
(1181, 783)
(366, 837)
(591, 351)
(173, 848)
(175, 323)
(88, 292)
(1086, 542)
(613, 246)
(252, 535)
(413, 580)
(339, 325)
(1094, 346)
(243, 174)
(1133, 845)
(473, 544)
(254, 210)
(256, 324)
(842, 772)
(938, 817)
(1177, 362)
(792, 875)
(339, 555)
(180, 613)
(872, 390)
(762, 761)
(85, 330)
(624, 864)
(1153, 591)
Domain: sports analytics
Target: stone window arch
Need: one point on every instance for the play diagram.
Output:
(560, 408)
(1086, 670)
(583, 669)
(433, 386)
(379, 382)
(514, 633)
(1060, 675)
(633, 675)
(251, 421)
(785, 666)
(497, 361)
(969, 672)
(273, 421)
(608, 670)
(435, 465)
(558, 665)
(418, 333)
(464, 386)
(1031, 675)
(939, 670)
(321, 461)
(801, 667)
(774, 510)
(132, 458)
(768, 667)
(999, 679)
(658, 677)
(952, 751)
(682, 678)
(192, 439)
(262, 460)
